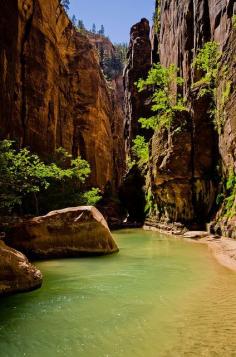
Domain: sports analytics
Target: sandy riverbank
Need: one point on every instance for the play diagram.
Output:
(223, 249)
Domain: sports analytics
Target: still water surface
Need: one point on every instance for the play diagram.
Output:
(159, 296)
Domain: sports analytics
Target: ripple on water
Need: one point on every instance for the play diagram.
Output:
(159, 297)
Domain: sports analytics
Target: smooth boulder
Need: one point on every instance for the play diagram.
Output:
(70, 232)
(16, 273)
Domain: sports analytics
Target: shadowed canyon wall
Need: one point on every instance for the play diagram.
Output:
(139, 63)
(53, 92)
(185, 166)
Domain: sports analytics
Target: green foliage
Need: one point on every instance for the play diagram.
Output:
(140, 150)
(234, 22)
(219, 113)
(163, 81)
(226, 92)
(130, 163)
(151, 206)
(21, 174)
(156, 20)
(102, 31)
(91, 197)
(81, 27)
(24, 177)
(207, 61)
(230, 207)
(228, 198)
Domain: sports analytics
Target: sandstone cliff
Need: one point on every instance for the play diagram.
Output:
(186, 166)
(53, 92)
(139, 63)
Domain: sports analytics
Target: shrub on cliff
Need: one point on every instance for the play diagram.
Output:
(207, 63)
(24, 179)
(140, 150)
(163, 83)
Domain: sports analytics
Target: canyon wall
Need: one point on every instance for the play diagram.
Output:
(53, 92)
(139, 63)
(188, 162)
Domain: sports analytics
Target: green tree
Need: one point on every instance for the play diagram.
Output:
(24, 176)
(74, 20)
(81, 25)
(163, 83)
(94, 29)
(207, 61)
(102, 31)
(140, 150)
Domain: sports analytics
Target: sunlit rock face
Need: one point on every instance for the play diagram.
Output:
(16, 273)
(71, 232)
(53, 92)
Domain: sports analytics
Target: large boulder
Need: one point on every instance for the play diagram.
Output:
(16, 273)
(70, 232)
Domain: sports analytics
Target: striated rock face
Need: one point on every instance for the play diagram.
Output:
(183, 163)
(71, 232)
(185, 27)
(16, 273)
(139, 63)
(53, 92)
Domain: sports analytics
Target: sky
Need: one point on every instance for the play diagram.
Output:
(117, 16)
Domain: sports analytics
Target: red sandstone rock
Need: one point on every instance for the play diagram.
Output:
(71, 232)
(53, 92)
(16, 273)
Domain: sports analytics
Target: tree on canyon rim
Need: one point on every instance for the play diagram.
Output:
(66, 4)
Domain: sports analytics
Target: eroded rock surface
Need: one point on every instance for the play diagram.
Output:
(185, 27)
(16, 273)
(186, 161)
(139, 63)
(71, 232)
(53, 92)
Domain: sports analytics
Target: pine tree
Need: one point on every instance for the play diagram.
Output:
(74, 20)
(94, 29)
(66, 4)
(81, 25)
(101, 31)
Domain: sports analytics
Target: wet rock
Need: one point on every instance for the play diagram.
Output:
(71, 232)
(16, 273)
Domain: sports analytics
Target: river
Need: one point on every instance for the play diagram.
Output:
(159, 296)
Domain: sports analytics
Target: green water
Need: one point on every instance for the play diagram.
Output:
(158, 297)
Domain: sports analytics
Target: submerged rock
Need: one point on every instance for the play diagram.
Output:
(70, 232)
(16, 273)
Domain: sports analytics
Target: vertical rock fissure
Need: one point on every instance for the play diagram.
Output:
(23, 73)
